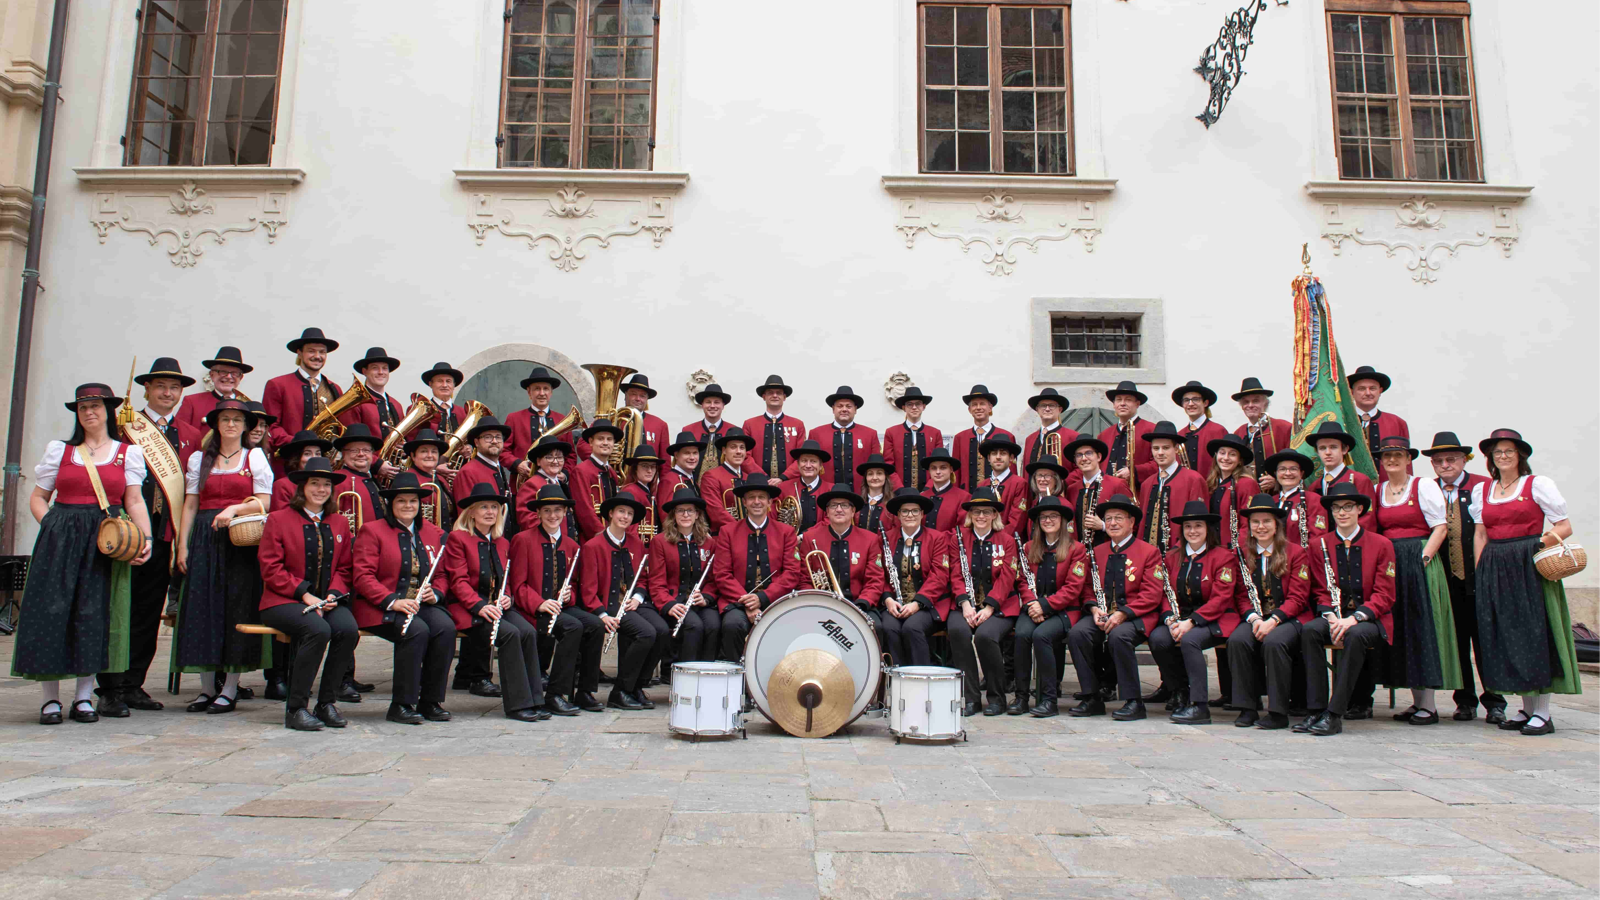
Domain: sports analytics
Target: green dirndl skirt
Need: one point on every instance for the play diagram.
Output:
(75, 605)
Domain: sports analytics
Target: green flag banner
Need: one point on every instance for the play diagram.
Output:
(1320, 393)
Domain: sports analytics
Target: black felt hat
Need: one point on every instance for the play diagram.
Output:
(840, 492)
(940, 454)
(1046, 461)
(637, 380)
(1368, 373)
(912, 392)
(845, 393)
(732, 434)
(1049, 393)
(302, 440)
(1070, 451)
(550, 443)
(1344, 490)
(312, 336)
(773, 381)
(404, 483)
(1504, 434)
(1395, 443)
(643, 453)
(1051, 504)
(1246, 454)
(239, 406)
(908, 495)
(442, 368)
(1265, 503)
(601, 426)
(984, 497)
(376, 354)
(228, 356)
(1194, 387)
(482, 492)
(322, 467)
(1295, 456)
(1127, 387)
(683, 494)
(875, 461)
(426, 437)
(1250, 386)
(1196, 511)
(1331, 430)
(260, 411)
(622, 498)
(683, 441)
(540, 375)
(980, 392)
(164, 367)
(810, 447)
(550, 495)
(1119, 501)
(755, 483)
(999, 442)
(357, 433)
(1164, 431)
(488, 423)
(712, 390)
(1447, 442)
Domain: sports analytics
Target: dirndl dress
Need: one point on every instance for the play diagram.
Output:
(223, 586)
(1423, 653)
(1524, 628)
(75, 605)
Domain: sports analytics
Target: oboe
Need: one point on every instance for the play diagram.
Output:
(698, 581)
(622, 608)
(573, 567)
(433, 560)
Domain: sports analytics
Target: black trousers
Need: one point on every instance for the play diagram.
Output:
(1363, 644)
(521, 686)
(907, 638)
(735, 628)
(148, 601)
(986, 641)
(701, 635)
(333, 634)
(888, 629)
(421, 655)
(1183, 662)
(1036, 643)
(1464, 610)
(1087, 640)
(565, 647)
(642, 639)
(1272, 661)
(590, 646)
(477, 659)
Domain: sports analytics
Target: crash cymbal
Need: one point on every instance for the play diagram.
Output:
(810, 693)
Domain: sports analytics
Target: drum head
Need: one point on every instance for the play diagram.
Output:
(813, 620)
(924, 671)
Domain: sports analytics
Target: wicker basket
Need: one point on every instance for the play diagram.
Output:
(1564, 559)
(245, 531)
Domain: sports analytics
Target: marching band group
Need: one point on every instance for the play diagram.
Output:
(542, 539)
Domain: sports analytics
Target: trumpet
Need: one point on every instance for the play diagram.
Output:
(732, 505)
(820, 568)
(647, 527)
(434, 511)
(393, 450)
(352, 515)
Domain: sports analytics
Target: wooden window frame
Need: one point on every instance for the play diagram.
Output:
(202, 120)
(996, 89)
(577, 157)
(1396, 11)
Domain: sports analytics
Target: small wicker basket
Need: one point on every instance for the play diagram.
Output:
(1564, 559)
(245, 531)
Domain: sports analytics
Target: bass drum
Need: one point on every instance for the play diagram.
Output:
(813, 620)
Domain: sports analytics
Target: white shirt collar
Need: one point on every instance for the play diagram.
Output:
(1262, 551)
(680, 470)
(913, 426)
(1169, 471)
(912, 536)
(812, 484)
(1291, 492)
(1330, 476)
(709, 425)
(984, 431)
(754, 524)
(308, 376)
(1095, 479)
(1368, 415)
(170, 416)
(1193, 552)
(1196, 423)
(555, 537)
(981, 537)
(773, 418)
(603, 463)
(1119, 547)
(841, 426)
(1348, 537)
(1461, 479)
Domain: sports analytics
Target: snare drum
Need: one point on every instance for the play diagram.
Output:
(925, 703)
(706, 698)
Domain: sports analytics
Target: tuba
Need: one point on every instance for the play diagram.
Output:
(393, 450)
(460, 451)
(326, 423)
(607, 386)
(820, 568)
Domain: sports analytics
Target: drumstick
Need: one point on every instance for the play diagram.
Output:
(570, 569)
(623, 606)
(433, 559)
(702, 580)
(757, 617)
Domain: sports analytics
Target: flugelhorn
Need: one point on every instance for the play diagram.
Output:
(352, 515)
(820, 568)
(433, 511)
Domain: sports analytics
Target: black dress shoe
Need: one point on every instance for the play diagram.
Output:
(362, 686)
(1545, 726)
(1045, 709)
(560, 706)
(1424, 717)
(1193, 714)
(540, 714)
(48, 716)
(403, 714)
(200, 703)
(523, 715)
(484, 688)
(1220, 701)
(459, 684)
(1018, 706)
(1330, 724)
(83, 711)
(1176, 702)
(136, 698)
(1405, 714)
(348, 694)
(1162, 694)
(1304, 725)
(433, 712)
(1247, 718)
(1465, 713)
(643, 701)
(1494, 715)
(994, 708)
(221, 705)
(968, 710)
(1095, 707)
(329, 714)
(1131, 711)
(1360, 712)
(1273, 722)
(587, 702)
(622, 700)
(276, 690)
(244, 693)
(301, 719)
(1514, 724)
(113, 706)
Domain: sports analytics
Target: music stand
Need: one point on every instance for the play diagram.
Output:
(13, 575)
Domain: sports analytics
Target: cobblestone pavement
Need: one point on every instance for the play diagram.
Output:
(610, 806)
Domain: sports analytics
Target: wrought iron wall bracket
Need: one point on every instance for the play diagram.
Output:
(1222, 63)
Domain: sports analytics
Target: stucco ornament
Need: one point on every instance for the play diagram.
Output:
(1427, 232)
(568, 221)
(896, 386)
(995, 222)
(183, 219)
(698, 379)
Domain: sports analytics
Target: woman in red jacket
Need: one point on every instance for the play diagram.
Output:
(543, 562)
(473, 576)
(393, 558)
(305, 568)
(1276, 576)
(678, 556)
(1227, 486)
(613, 596)
(1200, 580)
(1055, 568)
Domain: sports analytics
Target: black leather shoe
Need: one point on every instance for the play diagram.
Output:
(1545, 726)
(301, 719)
(560, 706)
(1273, 722)
(1424, 717)
(1405, 714)
(639, 698)
(1360, 712)
(1246, 719)
(1131, 711)
(1304, 725)
(459, 684)
(968, 710)
(484, 688)
(1193, 714)
(83, 711)
(994, 708)
(1514, 724)
(1176, 702)
(1045, 709)
(276, 690)
(1161, 695)
(1018, 706)
(362, 686)
(244, 693)
(348, 694)
(1095, 707)
(587, 702)
(136, 698)
(433, 712)
(113, 706)
(1329, 724)
(403, 714)
(329, 714)
(540, 714)
(1220, 701)
(1494, 715)
(49, 715)
(523, 715)
(622, 700)
(221, 705)
(200, 703)
(1465, 713)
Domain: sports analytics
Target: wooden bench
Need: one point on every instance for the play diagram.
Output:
(277, 635)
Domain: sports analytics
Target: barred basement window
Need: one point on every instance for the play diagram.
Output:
(579, 84)
(1099, 342)
(205, 88)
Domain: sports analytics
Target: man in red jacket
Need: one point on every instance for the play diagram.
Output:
(1126, 604)
(946, 511)
(1168, 490)
(294, 398)
(384, 412)
(918, 593)
(907, 444)
(1333, 445)
(1265, 434)
(775, 432)
(854, 554)
(1367, 387)
(227, 370)
(1306, 516)
(716, 486)
(1052, 437)
(1128, 455)
(528, 425)
(757, 562)
(637, 393)
(1197, 400)
(1352, 584)
(801, 491)
(848, 441)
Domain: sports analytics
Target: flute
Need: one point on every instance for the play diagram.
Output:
(494, 632)
(564, 586)
(699, 581)
(433, 558)
(622, 607)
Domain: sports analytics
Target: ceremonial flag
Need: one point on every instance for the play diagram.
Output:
(1320, 392)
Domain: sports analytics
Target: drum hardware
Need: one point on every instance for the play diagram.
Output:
(433, 565)
(699, 581)
(810, 691)
(566, 586)
(622, 607)
(821, 572)
(925, 703)
(502, 601)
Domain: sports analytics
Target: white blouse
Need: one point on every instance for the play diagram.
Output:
(260, 472)
(44, 474)
(1429, 498)
(1545, 493)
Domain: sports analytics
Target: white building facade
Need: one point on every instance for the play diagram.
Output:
(816, 206)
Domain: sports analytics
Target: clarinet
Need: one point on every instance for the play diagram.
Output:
(699, 581)
(1164, 575)
(1334, 593)
(571, 567)
(1233, 514)
(1099, 588)
(966, 577)
(1245, 570)
(892, 564)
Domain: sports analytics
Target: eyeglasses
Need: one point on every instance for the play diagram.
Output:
(1505, 453)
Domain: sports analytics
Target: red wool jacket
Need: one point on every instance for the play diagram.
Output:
(930, 570)
(1003, 571)
(772, 458)
(864, 443)
(194, 408)
(367, 414)
(1195, 441)
(1219, 588)
(470, 574)
(974, 468)
(1015, 497)
(864, 583)
(377, 565)
(1144, 465)
(288, 565)
(669, 581)
(1377, 577)
(1072, 577)
(895, 444)
(288, 397)
(527, 569)
(1141, 596)
(716, 486)
(1236, 496)
(1313, 513)
(947, 514)
(1032, 449)
(522, 437)
(1183, 486)
(1319, 486)
(1289, 598)
(594, 571)
(732, 548)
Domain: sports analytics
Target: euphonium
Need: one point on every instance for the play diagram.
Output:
(820, 568)
(460, 451)
(393, 450)
(607, 386)
(353, 514)
(327, 424)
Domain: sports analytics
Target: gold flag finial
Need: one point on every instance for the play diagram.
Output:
(1305, 258)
